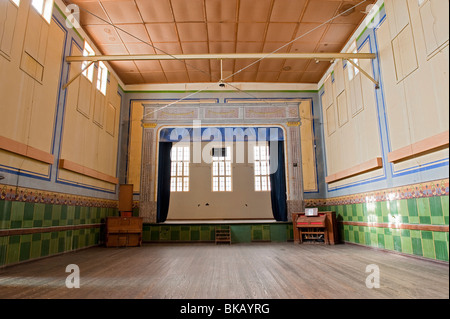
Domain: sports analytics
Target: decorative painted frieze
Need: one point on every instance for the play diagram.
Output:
(22, 194)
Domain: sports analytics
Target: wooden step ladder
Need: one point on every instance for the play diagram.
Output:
(223, 235)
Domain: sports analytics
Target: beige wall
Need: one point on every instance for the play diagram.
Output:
(31, 55)
(30, 64)
(91, 124)
(350, 120)
(413, 51)
(242, 203)
(414, 60)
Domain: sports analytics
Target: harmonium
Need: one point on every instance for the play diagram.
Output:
(313, 226)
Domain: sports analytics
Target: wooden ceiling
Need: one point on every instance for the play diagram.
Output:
(218, 26)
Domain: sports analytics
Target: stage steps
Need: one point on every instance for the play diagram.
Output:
(223, 235)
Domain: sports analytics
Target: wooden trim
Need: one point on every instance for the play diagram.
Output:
(431, 144)
(74, 167)
(356, 170)
(436, 228)
(22, 149)
(40, 230)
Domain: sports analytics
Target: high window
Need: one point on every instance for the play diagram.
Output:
(179, 181)
(262, 168)
(89, 72)
(352, 71)
(102, 77)
(221, 169)
(43, 7)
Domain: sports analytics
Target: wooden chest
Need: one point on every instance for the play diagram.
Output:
(123, 231)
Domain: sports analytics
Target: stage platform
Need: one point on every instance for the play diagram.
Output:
(219, 221)
(203, 231)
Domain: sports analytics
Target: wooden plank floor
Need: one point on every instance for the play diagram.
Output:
(240, 271)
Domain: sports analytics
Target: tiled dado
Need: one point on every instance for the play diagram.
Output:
(412, 220)
(37, 224)
(240, 233)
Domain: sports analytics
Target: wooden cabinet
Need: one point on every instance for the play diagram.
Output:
(123, 231)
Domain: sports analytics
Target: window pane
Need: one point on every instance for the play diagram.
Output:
(186, 169)
(186, 184)
(256, 149)
(261, 168)
(173, 154)
(221, 168)
(228, 184)
(187, 154)
(47, 11)
(228, 169)
(264, 183)
(180, 169)
(38, 5)
(173, 184)
(264, 168)
(102, 77)
(257, 183)
(215, 184)
(179, 184)
(89, 72)
(215, 169)
(257, 169)
(173, 171)
(263, 153)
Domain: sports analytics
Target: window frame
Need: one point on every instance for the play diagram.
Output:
(44, 8)
(351, 69)
(259, 173)
(175, 174)
(89, 72)
(222, 172)
(102, 78)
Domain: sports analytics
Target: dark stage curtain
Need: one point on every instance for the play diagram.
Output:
(278, 181)
(164, 168)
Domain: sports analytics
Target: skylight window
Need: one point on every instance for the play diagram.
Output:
(89, 72)
(43, 7)
(102, 78)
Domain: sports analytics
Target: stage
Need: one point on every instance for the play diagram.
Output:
(203, 231)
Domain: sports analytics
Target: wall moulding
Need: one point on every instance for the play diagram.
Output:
(22, 149)
(428, 145)
(22, 194)
(71, 166)
(356, 170)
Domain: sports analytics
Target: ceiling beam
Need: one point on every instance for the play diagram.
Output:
(147, 57)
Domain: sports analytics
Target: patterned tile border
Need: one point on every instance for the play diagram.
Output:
(22, 194)
(427, 189)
